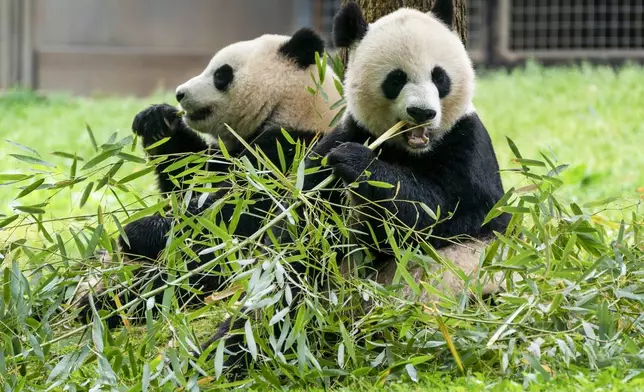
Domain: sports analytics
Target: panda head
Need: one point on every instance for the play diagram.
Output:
(264, 80)
(408, 66)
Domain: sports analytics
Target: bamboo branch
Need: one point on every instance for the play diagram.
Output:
(205, 266)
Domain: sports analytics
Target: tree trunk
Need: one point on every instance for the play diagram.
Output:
(374, 9)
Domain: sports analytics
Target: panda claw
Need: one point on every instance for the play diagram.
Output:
(156, 122)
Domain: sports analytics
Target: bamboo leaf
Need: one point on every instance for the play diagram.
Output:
(219, 358)
(299, 179)
(86, 193)
(495, 211)
(514, 148)
(72, 169)
(98, 159)
(121, 231)
(30, 188)
(157, 144)
(250, 340)
(91, 136)
(28, 159)
(380, 184)
(135, 175)
(91, 246)
(348, 343)
(337, 117)
(131, 158)
(67, 155)
(529, 162)
(8, 221)
(338, 104)
(24, 148)
(450, 343)
(411, 371)
(287, 136)
(279, 316)
(13, 177)
(30, 209)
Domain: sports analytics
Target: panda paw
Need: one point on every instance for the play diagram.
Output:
(350, 160)
(156, 122)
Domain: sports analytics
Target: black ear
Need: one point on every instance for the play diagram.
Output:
(349, 25)
(302, 47)
(444, 10)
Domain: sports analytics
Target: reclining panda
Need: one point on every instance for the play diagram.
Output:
(256, 87)
(407, 66)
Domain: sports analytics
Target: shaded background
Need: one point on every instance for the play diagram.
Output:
(134, 47)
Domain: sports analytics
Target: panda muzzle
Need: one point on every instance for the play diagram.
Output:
(418, 137)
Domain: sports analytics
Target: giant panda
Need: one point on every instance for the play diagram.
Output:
(406, 66)
(410, 66)
(257, 87)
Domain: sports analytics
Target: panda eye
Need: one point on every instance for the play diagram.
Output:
(223, 77)
(441, 80)
(394, 83)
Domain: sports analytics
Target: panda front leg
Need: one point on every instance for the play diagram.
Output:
(146, 238)
(161, 121)
(350, 161)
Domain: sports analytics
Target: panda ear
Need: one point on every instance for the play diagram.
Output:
(302, 47)
(349, 25)
(444, 11)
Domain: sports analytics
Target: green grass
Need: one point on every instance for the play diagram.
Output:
(58, 123)
(588, 117)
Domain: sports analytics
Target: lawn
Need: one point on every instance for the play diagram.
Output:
(587, 117)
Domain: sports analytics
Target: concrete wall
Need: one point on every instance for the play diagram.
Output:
(137, 46)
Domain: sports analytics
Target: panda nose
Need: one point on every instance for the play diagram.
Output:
(180, 95)
(421, 115)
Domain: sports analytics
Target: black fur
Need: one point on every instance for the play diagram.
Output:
(302, 47)
(444, 10)
(442, 81)
(394, 83)
(223, 77)
(349, 25)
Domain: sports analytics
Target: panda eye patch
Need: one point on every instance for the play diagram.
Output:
(441, 80)
(223, 77)
(394, 83)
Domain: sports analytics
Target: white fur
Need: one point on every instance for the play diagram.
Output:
(264, 82)
(416, 43)
(94, 282)
(465, 256)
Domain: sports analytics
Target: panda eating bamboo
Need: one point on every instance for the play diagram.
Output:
(410, 66)
(257, 88)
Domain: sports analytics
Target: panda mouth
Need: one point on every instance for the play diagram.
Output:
(199, 114)
(417, 136)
